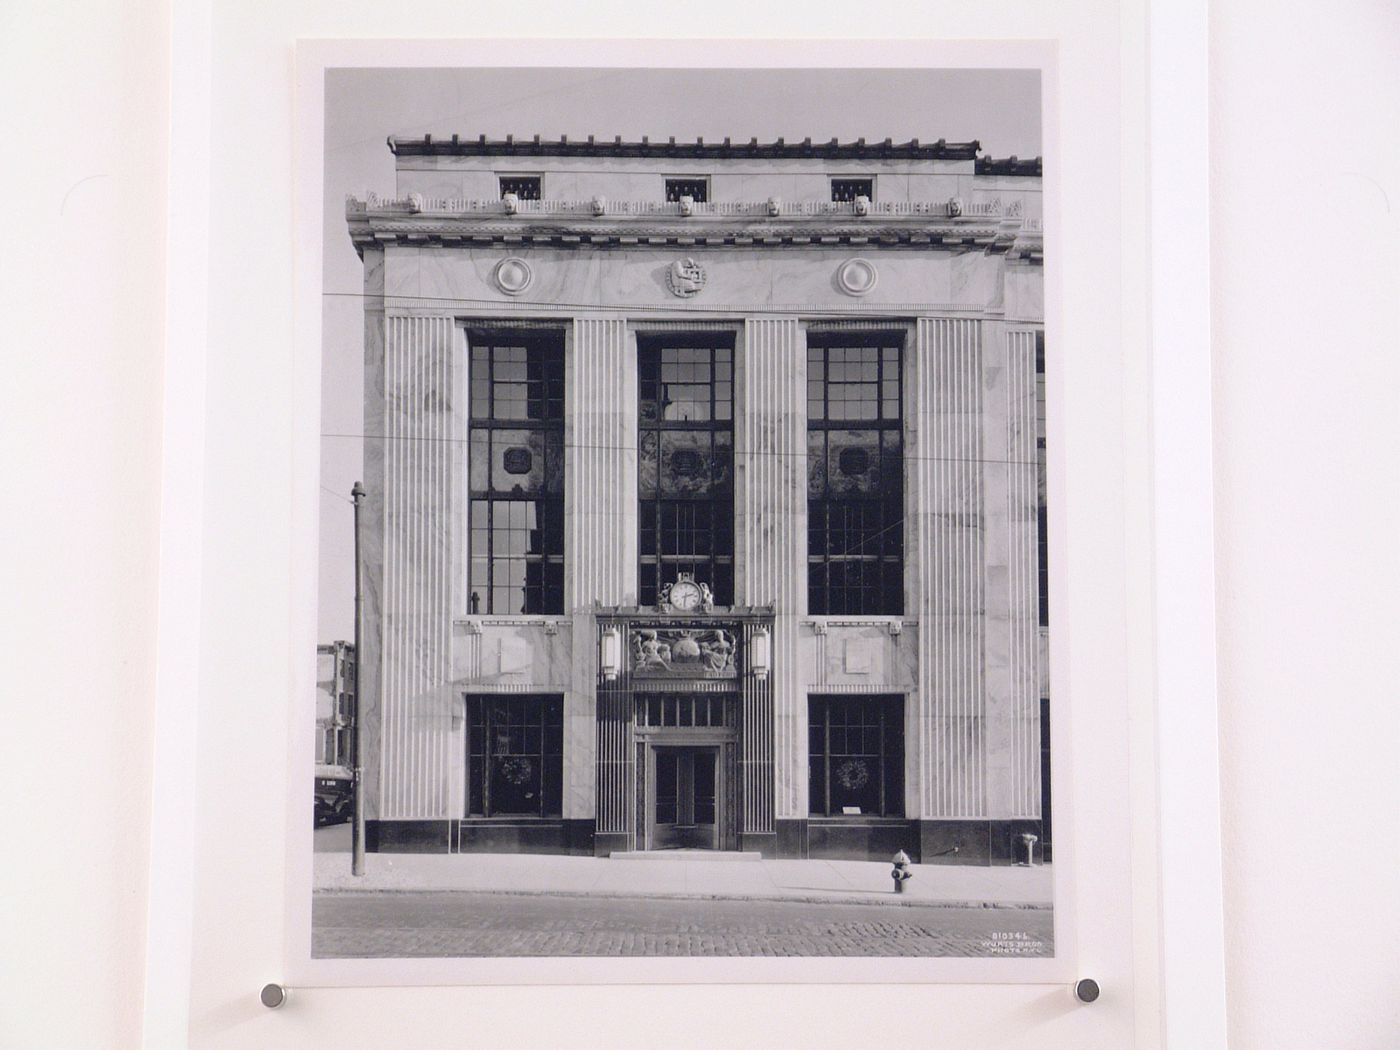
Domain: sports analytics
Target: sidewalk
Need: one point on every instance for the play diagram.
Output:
(677, 876)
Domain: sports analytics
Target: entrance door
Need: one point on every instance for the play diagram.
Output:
(684, 802)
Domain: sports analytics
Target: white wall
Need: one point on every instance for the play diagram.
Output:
(83, 127)
(1306, 214)
(1306, 300)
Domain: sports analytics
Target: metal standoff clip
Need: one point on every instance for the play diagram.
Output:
(273, 996)
(1086, 989)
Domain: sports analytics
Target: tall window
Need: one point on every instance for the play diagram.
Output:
(855, 474)
(515, 755)
(685, 462)
(855, 746)
(516, 472)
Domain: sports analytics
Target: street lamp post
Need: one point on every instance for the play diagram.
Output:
(357, 830)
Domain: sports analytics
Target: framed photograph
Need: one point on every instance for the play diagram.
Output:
(711, 500)
(701, 495)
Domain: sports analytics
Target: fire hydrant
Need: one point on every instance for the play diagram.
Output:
(901, 873)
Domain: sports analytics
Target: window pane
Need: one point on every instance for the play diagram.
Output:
(855, 476)
(865, 756)
(526, 187)
(514, 756)
(847, 190)
(697, 190)
(518, 379)
(685, 463)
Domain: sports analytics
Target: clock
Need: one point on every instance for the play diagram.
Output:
(686, 595)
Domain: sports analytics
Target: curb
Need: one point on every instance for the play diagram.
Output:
(878, 902)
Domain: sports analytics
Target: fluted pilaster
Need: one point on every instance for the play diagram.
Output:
(600, 464)
(1022, 580)
(411, 563)
(600, 558)
(771, 554)
(945, 580)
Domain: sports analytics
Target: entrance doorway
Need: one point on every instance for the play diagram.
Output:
(685, 798)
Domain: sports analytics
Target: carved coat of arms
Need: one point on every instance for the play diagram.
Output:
(685, 277)
(684, 653)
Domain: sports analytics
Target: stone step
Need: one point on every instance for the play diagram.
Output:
(702, 855)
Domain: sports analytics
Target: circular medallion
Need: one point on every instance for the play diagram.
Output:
(513, 275)
(857, 276)
(854, 462)
(685, 278)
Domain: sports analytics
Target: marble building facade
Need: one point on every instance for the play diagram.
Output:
(704, 508)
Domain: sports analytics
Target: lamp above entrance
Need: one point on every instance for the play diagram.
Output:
(760, 653)
(610, 654)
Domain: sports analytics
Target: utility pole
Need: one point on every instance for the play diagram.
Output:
(357, 831)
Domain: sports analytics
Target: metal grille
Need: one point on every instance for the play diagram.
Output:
(685, 711)
(615, 758)
(756, 734)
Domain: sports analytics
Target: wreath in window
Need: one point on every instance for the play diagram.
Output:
(515, 769)
(852, 774)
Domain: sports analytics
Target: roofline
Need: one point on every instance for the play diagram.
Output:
(535, 146)
(1009, 166)
(418, 223)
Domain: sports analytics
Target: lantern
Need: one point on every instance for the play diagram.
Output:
(610, 654)
(760, 653)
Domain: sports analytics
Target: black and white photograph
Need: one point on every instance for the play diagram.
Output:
(771, 525)
(683, 557)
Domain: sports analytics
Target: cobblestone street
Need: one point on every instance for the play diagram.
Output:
(446, 925)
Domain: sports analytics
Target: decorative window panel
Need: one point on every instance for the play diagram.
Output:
(685, 461)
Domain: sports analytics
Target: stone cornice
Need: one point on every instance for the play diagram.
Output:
(948, 225)
(535, 146)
